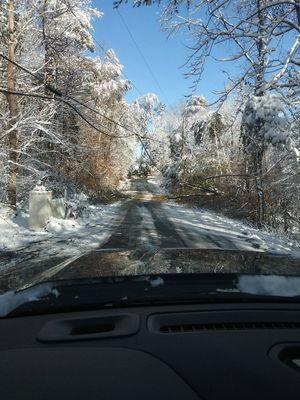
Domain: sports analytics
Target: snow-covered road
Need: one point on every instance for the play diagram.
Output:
(150, 220)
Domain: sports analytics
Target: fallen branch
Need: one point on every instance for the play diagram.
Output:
(292, 218)
(229, 176)
(191, 195)
(205, 189)
(9, 223)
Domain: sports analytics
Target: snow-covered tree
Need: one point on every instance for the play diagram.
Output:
(262, 38)
(70, 122)
(146, 109)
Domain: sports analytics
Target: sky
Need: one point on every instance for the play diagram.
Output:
(164, 55)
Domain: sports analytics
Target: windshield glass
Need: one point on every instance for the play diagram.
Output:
(143, 137)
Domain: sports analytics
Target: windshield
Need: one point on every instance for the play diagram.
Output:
(143, 137)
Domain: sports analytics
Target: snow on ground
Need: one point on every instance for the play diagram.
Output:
(125, 185)
(66, 238)
(88, 232)
(157, 182)
(218, 231)
(14, 233)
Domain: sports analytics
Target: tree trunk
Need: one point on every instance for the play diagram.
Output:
(259, 91)
(261, 49)
(49, 70)
(49, 67)
(13, 111)
(259, 187)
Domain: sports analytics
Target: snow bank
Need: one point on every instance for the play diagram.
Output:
(125, 185)
(62, 226)
(14, 231)
(207, 229)
(61, 238)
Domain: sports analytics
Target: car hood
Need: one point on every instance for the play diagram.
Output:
(151, 261)
(148, 261)
(113, 278)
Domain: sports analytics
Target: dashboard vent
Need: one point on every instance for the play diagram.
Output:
(93, 327)
(178, 328)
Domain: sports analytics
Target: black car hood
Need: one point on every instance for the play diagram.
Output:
(146, 275)
(67, 295)
(149, 261)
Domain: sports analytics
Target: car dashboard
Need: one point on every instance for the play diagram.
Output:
(196, 351)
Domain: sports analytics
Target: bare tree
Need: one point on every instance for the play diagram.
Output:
(13, 110)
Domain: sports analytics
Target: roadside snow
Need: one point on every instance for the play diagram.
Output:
(125, 185)
(63, 238)
(62, 226)
(157, 182)
(207, 229)
(14, 233)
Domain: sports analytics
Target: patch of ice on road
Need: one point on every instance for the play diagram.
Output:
(270, 285)
(158, 281)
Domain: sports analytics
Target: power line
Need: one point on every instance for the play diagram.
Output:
(16, 93)
(60, 95)
(103, 49)
(45, 97)
(142, 55)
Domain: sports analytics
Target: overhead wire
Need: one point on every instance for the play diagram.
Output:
(45, 97)
(142, 56)
(104, 50)
(36, 95)
(61, 95)
(140, 137)
(60, 98)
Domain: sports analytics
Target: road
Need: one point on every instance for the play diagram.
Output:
(146, 222)
(155, 235)
(150, 221)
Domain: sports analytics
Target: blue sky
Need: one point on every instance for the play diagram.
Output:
(164, 55)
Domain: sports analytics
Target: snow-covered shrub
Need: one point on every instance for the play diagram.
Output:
(264, 121)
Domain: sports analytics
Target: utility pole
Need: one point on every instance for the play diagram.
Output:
(13, 111)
